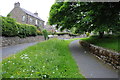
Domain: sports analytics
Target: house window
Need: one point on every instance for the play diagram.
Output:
(36, 22)
(23, 18)
(30, 19)
(40, 24)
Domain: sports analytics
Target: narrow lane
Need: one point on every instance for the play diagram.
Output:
(7, 51)
(89, 65)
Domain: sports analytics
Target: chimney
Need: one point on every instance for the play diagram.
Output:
(16, 5)
(36, 13)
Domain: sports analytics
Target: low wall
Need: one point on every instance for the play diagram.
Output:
(66, 36)
(7, 41)
(108, 56)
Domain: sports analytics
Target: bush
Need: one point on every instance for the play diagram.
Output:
(11, 28)
(87, 34)
(45, 33)
(39, 32)
(25, 30)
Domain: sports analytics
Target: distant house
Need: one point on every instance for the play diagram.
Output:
(26, 17)
(49, 27)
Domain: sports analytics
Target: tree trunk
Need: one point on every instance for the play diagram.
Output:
(101, 33)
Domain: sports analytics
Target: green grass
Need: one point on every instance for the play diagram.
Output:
(109, 42)
(49, 59)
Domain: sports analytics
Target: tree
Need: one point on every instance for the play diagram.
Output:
(85, 16)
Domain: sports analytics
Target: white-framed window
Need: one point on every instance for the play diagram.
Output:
(23, 18)
(30, 19)
(36, 22)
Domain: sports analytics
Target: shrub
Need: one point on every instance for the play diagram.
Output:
(9, 27)
(87, 34)
(39, 32)
(0, 26)
(25, 30)
(45, 33)
(33, 30)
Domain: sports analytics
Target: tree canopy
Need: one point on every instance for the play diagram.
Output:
(85, 16)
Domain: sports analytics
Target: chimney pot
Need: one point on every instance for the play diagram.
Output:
(36, 13)
(17, 4)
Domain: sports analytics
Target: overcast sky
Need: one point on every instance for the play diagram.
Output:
(40, 6)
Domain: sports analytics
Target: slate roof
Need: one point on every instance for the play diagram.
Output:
(31, 14)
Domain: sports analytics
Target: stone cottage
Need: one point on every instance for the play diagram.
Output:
(26, 17)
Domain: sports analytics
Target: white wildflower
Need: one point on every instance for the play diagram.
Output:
(45, 76)
(24, 56)
(12, 77)
(8, 61)
(32, 70)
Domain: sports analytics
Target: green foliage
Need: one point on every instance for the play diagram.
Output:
(87, 34)
(25, 30)
(108, 41)
(49, 59)
(11, 28)
(39, 32)
(85, 16)
(0, 26)
(45, 33)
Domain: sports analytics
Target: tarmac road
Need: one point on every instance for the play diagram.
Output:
(89, 65)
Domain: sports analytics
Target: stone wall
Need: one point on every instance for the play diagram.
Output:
(7, 41)
(108, 56)
(66, 36)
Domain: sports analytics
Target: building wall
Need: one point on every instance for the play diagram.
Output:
(40, 23)
(17, 14)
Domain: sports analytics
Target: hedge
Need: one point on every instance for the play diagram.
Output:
(25, 30)
(11, 28)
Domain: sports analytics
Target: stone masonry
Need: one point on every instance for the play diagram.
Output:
(108, 56)
(8, 41)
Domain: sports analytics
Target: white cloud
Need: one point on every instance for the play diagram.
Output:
(40, 6)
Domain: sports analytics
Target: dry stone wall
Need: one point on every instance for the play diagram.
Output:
(108, 56)
(7, 41)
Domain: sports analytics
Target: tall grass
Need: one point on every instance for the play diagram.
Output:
(49, 59)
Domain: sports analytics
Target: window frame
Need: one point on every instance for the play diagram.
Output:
(23, 18)
(31, 20)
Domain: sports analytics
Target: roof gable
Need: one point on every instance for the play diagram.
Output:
(31, 14)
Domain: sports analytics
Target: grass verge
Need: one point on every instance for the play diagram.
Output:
(109, 42)
(49, 59)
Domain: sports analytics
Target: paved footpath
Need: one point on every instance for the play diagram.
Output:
(7, 51)
(89, 65)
